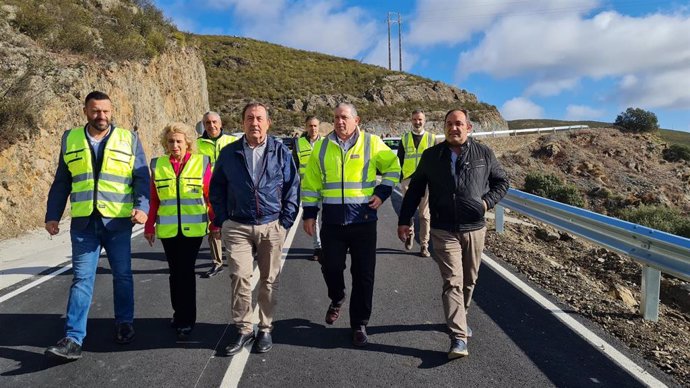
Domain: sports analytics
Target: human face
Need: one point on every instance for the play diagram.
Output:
(99, 114)
(177, 145)
(418, 121)
(313, 128)
(344, 123)
(213, 125)
(457, 128)
(255, 125)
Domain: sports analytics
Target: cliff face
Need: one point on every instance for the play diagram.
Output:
(147, 95)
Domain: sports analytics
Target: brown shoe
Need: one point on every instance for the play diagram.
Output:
(332, 314)
(424, 252)
(359, 337)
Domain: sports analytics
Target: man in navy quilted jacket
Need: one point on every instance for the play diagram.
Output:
(255, 196)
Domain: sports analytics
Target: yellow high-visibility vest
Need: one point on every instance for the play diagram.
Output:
(184, 192)
(112, 195)
(337, 177)
(212, 148)
(413, 154)
(304, 151)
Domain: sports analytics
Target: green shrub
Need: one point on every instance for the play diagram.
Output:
(658, 217)
(552, 187)
(637, 120)
(676, 152)
(74, 26)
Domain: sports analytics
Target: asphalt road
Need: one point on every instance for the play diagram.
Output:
(516, 341)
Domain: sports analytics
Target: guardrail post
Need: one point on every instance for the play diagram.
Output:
(651, 283)
(500, 218)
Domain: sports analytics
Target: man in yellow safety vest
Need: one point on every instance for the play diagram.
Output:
(412, 145)
(342, 178)
(301, 153)
(102, 169)
(210, 143)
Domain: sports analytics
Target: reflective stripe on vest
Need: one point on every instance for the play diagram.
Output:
(212, 148)
(113, 198)
(348, 177)
(185, 192)
(304, 151)
(413, 154)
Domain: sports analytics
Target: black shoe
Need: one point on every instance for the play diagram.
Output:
(317, 255)
(215, 270)
(359, 337)
(124, 333)
(264, 342)
(66, 349)
(239, 343)
(183, 332)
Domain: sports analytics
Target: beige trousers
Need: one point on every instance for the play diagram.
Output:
(268, 239)
(216, 247)
(458, 256)
(424, 215)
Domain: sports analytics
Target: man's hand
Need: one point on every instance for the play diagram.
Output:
(375, 202)
(215, 234)
(138, 217)
(486, 207)
(310, 226)
(403, 232)
(150, 237)
(53, 227)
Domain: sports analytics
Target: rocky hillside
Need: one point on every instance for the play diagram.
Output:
(613, 172)
(296, 83)
(42, 95)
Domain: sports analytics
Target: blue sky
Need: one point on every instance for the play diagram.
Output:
(557, 59)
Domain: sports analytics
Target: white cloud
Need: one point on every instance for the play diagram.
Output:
(453, 21)
(661, 89)
(521, 108)
(551, 88)
(583, 112)
(650, 53)
(322, 26)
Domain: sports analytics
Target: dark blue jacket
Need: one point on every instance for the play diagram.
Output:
(62, 187)
(234, 195)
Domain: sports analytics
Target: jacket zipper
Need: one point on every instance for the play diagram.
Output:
(342, 185)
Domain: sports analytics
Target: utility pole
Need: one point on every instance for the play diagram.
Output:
(399, 21)
(400, 40)
(389, 40)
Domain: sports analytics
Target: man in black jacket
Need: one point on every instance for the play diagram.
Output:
(464, 180)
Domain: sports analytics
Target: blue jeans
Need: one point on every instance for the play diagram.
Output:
(86, 248)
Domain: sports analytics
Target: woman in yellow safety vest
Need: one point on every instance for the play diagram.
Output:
(180, 211)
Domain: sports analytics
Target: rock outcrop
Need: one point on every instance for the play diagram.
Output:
(146, 96)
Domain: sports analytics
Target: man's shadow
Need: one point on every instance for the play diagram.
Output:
(302, 332)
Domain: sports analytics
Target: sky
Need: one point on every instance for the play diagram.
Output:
(553, 59)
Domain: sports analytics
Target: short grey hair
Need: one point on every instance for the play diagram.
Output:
(343, 104)
(210, 113)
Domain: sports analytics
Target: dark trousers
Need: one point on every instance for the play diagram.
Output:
(360, 239)
(181, 253)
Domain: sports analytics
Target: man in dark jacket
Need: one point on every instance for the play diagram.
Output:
(464, 180)
(255, 196)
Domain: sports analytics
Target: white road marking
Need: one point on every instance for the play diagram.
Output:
(239, 361)
(608, 350)
(58, 271)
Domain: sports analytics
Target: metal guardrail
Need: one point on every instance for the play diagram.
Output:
(657, 251)
(513, 132)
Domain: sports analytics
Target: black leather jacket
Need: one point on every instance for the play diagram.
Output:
(455, 201)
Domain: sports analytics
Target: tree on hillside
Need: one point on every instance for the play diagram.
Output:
(637, 120)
